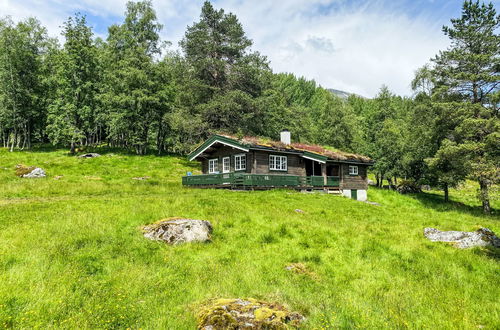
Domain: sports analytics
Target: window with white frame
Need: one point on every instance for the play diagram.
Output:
(353, 170)
(213, 165)
(278, 163)
(240, 162)
(226, 165)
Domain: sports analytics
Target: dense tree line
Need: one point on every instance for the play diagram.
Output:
(129, 91)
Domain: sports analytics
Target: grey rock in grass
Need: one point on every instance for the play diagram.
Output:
(371, 182)
(464, 239)
(299, 211)
(89, 155)
(37, 172)
(177, 231)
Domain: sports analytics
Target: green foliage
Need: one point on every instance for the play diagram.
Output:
(469, 68)
(136, 94)
(72, 116)
(23, 47)
(224, 78)
(385, 125)
(467, 72)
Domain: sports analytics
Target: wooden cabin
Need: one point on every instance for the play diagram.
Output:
(256, 163)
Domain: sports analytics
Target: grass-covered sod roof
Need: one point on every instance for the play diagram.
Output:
(313, 150)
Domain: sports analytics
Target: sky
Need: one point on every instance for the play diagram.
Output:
(352, 45)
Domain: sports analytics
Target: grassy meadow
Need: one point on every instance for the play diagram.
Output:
(72, 254)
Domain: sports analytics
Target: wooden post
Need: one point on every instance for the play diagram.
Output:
(254, 163)
(323, 172)
(341, 176)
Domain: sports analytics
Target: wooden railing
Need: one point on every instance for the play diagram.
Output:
(260, 180)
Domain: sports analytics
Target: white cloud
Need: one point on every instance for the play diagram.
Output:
(352, 48)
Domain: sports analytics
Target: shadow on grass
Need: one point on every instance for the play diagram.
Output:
(490, 252)
(436, 202)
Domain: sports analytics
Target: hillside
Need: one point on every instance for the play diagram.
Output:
(72, 254)
(342, 94)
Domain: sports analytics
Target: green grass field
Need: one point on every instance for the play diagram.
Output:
(72, 254)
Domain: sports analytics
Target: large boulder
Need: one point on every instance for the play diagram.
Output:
(29, 171)
(464, 239)
(176, 231)
(246, 314)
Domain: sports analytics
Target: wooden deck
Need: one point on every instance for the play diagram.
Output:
(260, 181)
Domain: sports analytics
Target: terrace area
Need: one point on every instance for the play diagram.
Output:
(260, 181)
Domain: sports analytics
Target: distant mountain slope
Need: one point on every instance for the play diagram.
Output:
(342, 94)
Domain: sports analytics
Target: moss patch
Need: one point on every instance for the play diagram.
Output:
(301, 269)
(22, 170)
(246, 313)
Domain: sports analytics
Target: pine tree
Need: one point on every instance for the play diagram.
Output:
(468, 73)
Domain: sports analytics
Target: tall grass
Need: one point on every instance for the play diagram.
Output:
(72, 255)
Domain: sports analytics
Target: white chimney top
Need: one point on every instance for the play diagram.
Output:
(285, 136)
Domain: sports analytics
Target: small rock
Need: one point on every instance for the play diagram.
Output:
(176, 231)
(89, 155)
(299, 211)
(301, 269)
(464, 239)
(371, 182)
(29, 171)
(57, 177)
(90, 177)
(371, 203)
(246, 314)
(142, 178)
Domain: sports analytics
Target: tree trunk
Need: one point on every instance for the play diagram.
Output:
(72, 149)
(446, 193)
(29, 135)
(13, 141)
(484, 196)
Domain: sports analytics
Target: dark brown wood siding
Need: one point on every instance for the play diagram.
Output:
(295, 163)
(257, 161)
(354, 181)
(225, 151)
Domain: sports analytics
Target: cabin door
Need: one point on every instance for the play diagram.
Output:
(354, 194)
(312, 168)
(333, 170)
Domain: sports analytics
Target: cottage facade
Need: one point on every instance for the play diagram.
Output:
(229, 162)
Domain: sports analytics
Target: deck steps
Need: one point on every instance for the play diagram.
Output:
(334, 191)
